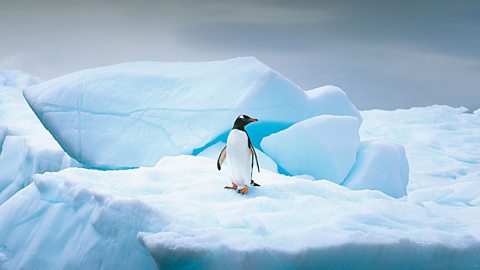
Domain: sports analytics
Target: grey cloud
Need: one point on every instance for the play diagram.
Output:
(385, 54)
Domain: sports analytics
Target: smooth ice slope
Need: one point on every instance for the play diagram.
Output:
(133, 114)
(380, 166)
(26, 147)
(324, 147)
(180, 212)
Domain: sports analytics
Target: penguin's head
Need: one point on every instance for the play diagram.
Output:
(242, 121)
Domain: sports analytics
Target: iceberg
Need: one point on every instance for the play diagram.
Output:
(380, 166)
(323, 146)
(18, 162)
(331, 100)
(441, 148)
(133, 114)
(178, 215)
(57, 226)
(26, 148)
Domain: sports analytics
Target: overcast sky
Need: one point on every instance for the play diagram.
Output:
(384, 54)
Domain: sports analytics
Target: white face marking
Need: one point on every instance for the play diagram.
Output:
(242, 117)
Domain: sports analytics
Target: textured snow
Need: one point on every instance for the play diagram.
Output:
(324, 147)
(132, 114)
(56, 225)
(380, 166)
(441, 144)
(26, 147)
(180, 213)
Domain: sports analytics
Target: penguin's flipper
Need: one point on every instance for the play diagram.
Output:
(254, 154)
(221, 158)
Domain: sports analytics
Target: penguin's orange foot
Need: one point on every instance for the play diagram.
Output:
(244, 190)
(232, 187)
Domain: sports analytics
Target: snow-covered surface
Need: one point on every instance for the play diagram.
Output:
(133, 114)
(380, 166)
(184, 218)
(26, 147)
(57, 225)
(323, 146)
(442, 147)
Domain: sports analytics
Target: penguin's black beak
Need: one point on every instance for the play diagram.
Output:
(251, 120)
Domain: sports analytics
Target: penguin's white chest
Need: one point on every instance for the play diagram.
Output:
(239, 158)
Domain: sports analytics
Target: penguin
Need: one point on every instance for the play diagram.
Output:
(240, 155)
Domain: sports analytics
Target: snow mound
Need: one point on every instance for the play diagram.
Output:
(326, 100)
(323, 146)
(182, 216)
(26, 147)
(17, 79)
(264, 161)
(132, 114)
(380, 166)
(441, 145)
